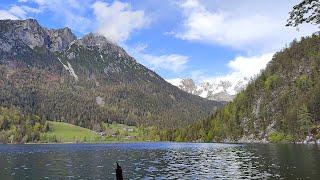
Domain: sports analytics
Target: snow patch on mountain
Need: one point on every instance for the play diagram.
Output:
(219, 88)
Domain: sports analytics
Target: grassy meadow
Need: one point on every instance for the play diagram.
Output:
(67, 133)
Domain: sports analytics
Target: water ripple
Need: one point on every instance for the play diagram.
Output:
(159, 161)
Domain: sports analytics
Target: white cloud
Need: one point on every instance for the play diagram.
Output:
(240, 67)
(18, 11)
(243, 27)
(140, 47)
(172, 62)
(169, 62)
(249, 66)
(117, 21)
(70, 12)
(30, 9)
(14, 13)
(175, 81)
(4, 14)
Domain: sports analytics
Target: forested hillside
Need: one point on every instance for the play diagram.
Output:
(16, 126)
(87, 81)
(281, 104)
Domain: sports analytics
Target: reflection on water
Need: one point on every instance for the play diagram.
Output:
(160, 161)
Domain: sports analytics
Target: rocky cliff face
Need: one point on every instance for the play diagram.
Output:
(28, 31)
(32, 34)
(60, 39)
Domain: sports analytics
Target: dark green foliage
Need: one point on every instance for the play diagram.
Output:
(272, 82)
(303, 82)
(304, 120)
(277, 137)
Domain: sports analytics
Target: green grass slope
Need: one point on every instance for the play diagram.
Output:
(65, 132)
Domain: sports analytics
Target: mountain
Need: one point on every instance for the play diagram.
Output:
(218, 89)
(281, 104)
(85, 81)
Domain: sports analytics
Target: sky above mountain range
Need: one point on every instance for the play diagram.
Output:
(201, 39)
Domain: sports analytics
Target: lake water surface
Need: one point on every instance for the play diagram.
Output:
(160, 161)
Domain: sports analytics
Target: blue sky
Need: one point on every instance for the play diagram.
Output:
(202, 39)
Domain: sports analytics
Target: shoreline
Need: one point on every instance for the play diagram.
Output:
(127, 142)
(255, 141)
(102, 142)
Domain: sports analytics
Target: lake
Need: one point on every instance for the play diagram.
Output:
(160, 161)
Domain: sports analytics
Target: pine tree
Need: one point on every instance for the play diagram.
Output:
(304, 119)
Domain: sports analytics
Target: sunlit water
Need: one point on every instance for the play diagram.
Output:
(160, 161)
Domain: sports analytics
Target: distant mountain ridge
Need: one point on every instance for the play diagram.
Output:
(86, 81)
(219, 89)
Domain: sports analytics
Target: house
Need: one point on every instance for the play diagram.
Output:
(101, 133)
(128, 129)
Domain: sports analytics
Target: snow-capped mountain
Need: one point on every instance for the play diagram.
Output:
(218, 89)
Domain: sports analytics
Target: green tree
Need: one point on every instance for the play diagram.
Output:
(303, 82)
(304, 119)
(272, 82)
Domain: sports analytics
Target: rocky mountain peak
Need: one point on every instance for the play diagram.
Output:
(32, 34)
(60, 38)
(28, 31)
(217, 89)
(93, 40)
(188, 85)
(31, 23)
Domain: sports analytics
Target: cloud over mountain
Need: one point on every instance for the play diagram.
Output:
(117, 21)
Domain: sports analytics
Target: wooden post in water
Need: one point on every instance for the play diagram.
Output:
(119, 172)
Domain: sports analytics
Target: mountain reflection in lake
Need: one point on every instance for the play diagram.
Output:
(160, 161)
